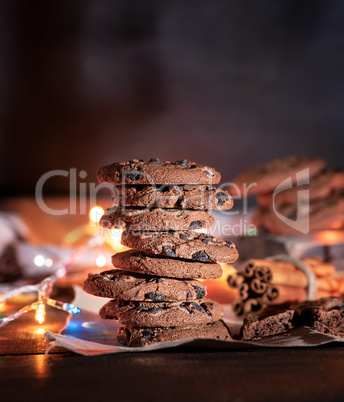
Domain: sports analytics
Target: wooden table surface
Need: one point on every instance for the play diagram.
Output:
(27, 374)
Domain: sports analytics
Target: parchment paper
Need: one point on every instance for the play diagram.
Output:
(89, 335)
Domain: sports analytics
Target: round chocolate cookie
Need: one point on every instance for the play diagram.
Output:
(156, 171)
(136, 261)
(135, 336)
(323, 185)
(123, 285)
(188, 244)
(266, 177)
(326, 213)
(184, 197)
(162, 314)
(156, 219)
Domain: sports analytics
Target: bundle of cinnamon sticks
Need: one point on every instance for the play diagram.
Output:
(264, 282)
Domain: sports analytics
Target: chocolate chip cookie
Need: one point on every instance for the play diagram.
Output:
(184, 197)
(136, 336)
(257, 327)
(188, 244)
(156, 171)
(162, 314)
(325, 315)
(326, 213)
(266, 177)
(150, 264)
(123, 285)
(325, 184)
(156, 219)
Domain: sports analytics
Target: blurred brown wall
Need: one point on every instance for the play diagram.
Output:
(225, 83)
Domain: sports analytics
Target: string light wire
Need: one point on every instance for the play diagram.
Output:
(45, 287)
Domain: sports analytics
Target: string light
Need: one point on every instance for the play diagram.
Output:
(100, 261)
(96, 213)
(45, 287)
(39, 260)
(40, 313)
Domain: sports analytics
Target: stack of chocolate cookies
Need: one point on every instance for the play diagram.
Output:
(156, 290)
(294, 189)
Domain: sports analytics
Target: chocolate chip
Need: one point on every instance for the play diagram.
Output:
(133, 175)
(156, 160)
(155, 296)
(183, 163)
(168, 251)
(200, 293)
(195, 225)
(155, 311)
(158, 280)
(221, 198)
(229, 244)
(189, 294)
(184, 236)
(147, 333)
(200, 256)
(208, 173)
(182, 307)
(197, 307)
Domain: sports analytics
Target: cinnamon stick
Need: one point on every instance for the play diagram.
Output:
(316, 264)
(238, 307)
(243, 291)
(235, 280)
(289, 295)
(257, 286)
(319, 267)
(252, 306)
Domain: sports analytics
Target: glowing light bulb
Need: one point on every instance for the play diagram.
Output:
(100, 261)
(39, 260)
(40, 314)
(96, 213)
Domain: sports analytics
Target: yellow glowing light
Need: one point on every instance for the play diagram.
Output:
(2, 305)
(113, 238)
(96, 213)
(39, 331)
(100, 261)
(227, 269)
(40, 314)
(39, 260)
(48, 262)
(330, 237)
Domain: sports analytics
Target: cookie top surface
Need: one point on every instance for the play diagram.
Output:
(162, 314)
(137, 261)
(182, 197)
(123, 285)
(267, 176)
(325, 184)
(158, 172)
(154, 219)
(135, 336)
(187, 244)
(326, 213)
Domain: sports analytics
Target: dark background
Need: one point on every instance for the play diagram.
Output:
(224, 83)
